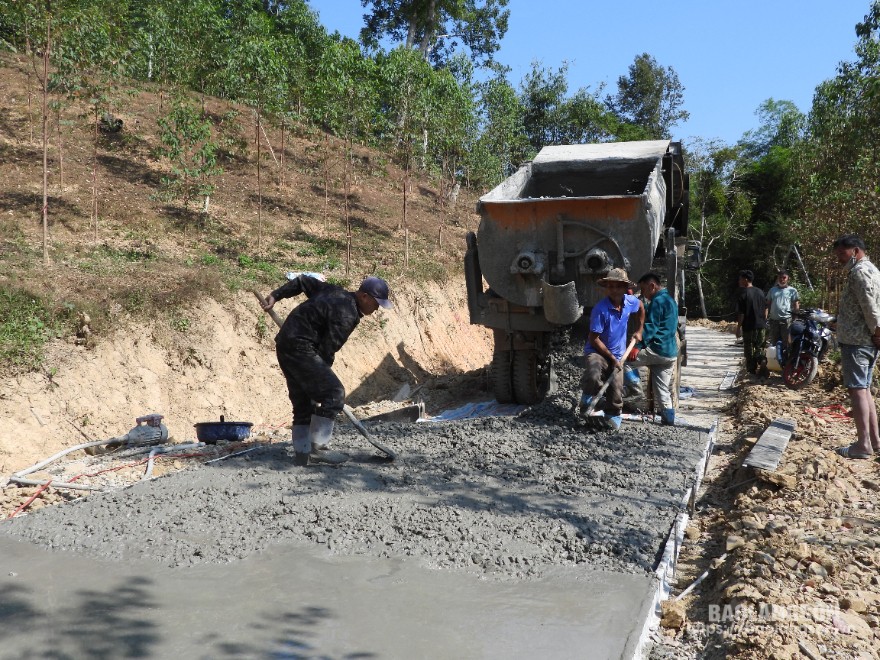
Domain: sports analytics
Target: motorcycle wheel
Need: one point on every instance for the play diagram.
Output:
(800, 373)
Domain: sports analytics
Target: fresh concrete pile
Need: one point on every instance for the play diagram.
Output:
(505, 497)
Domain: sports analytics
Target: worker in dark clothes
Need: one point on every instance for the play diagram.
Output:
(306, 346)
(751, 323)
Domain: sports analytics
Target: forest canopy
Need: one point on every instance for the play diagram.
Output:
(424, 85)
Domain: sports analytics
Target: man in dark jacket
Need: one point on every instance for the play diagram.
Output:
(751, 323)
(306, 346)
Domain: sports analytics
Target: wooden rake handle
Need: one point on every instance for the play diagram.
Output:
(598, 395)
(270, 312)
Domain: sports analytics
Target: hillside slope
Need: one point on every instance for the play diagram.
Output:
(164, 291)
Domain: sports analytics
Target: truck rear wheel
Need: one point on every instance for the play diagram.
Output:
(526, 385)
(500, 377)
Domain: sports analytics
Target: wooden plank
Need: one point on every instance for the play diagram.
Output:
(727, 381)
(767, 452)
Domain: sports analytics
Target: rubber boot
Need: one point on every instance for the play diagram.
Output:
(632, 383)
(321, 431)
(302, 445)
(667, 417)
(586, 400)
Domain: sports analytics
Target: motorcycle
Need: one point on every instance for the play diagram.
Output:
(808, 343)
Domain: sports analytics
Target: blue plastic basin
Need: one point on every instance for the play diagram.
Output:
(211, 432)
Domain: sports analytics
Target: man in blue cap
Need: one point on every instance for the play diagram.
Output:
(306, 346)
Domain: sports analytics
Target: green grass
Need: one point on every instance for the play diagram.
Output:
(26, 327)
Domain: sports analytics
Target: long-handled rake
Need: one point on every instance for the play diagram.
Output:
(599, 421)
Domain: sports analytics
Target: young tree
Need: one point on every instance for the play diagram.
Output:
(502, 143)
(404, 88)
(452, 120)
(188, 145)
(256, 72)
(87, 51)
(724, 211)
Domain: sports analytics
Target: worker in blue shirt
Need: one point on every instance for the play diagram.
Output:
(606, 344)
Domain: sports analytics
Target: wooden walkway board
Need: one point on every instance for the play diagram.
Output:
(728, 381)
(767, 452)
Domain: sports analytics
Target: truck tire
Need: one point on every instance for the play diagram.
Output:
(527, 387)
(500, 377)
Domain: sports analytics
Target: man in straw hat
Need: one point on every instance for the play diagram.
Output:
(607, 342)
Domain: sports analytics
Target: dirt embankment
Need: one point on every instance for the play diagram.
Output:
(793, 556)
(223, 363)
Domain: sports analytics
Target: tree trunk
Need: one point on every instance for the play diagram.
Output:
(46, 142)
(95, 178)
(326, 184)
(150, 57)
(700, 294)
(259, 192)
(30, 91)
(60, 153)
(428, 38)
(405, 219)
(347, 214)
(268, 144)
(281, 157)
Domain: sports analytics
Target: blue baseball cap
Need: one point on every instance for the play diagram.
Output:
(378, 288)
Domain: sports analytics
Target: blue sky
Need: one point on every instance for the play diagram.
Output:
(730, 56)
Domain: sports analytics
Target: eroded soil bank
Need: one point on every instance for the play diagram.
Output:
(223, 364)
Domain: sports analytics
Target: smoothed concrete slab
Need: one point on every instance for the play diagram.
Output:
(296, 603)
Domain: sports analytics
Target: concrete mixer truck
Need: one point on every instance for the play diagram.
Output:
(552, 229)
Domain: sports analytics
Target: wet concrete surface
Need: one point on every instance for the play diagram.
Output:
(295, 603)
(516, 537)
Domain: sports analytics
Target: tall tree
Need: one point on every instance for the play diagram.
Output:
(840, 162)
(543, 101)
(781, 124)
(502, 143)
(436, 27)
(649, 96)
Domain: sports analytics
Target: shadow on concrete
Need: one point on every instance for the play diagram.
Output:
(278, 635)
(128, 620)
(113, 623)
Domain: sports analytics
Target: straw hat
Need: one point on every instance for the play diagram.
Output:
(616, 275)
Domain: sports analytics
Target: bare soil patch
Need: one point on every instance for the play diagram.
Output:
(793, 558)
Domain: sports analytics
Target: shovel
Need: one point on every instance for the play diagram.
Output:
(389, 455)
(596, 421)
